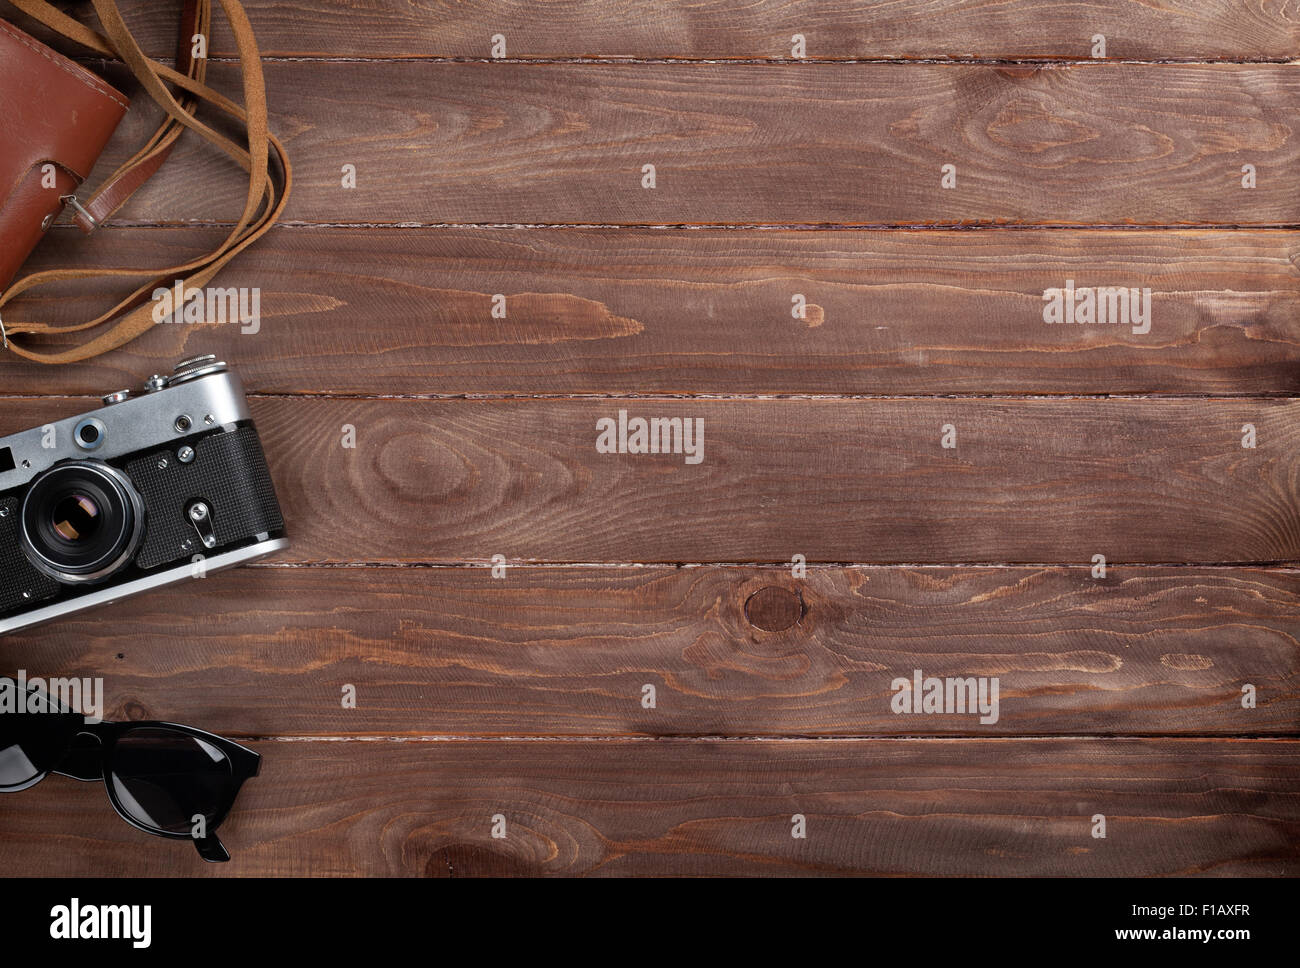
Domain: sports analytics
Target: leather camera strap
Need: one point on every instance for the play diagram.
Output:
(263, 204)
(196, 20)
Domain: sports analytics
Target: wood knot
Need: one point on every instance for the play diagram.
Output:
(475, 860)
(774, 609)
(132, 711)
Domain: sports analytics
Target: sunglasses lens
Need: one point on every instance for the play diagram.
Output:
(34, 735)
(166, 779)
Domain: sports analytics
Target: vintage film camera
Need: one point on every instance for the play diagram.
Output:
(155, 487)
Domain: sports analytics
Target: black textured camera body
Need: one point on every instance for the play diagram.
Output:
(149, 490)
(229, 472)
(20, 583)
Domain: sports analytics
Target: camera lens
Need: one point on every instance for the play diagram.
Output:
(81, 521)
(76, 518)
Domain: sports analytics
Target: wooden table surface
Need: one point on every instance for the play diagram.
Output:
(516, 705)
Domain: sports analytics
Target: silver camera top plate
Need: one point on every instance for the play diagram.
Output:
(195, 400)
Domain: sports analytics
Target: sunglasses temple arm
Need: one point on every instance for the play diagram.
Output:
(212, 849)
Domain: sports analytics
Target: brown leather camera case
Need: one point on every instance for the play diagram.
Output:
(54, 112)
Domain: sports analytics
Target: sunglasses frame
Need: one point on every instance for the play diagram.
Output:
(90, 754)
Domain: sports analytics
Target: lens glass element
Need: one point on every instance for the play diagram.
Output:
(76, 518)
(35, 734)
(166, 779)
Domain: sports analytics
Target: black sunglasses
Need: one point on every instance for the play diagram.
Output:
(167, 780)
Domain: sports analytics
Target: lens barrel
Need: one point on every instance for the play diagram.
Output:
(81, 521)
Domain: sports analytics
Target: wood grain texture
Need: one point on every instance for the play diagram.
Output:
(705, 311)
(717, 29)
(521, 696)
(886, 807)
(1030, 481)
(800, 144)
(567, 651)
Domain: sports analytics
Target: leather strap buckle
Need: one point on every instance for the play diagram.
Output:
(90, 219)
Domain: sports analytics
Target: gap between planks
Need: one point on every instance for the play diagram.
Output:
(516, 397)
(792, 738)
(1286, 566)
(968, 226)
(1041, 62)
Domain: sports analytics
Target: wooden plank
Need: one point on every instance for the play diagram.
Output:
(716, 29)
(706, 311)
(1030, 481)
(858, 144)
(729, 651)
(890, 807)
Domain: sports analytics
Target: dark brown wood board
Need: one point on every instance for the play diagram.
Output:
(722, 29)
(644, 311)
(708, 807)
(434, 143)
(867, 480)
(730, 651)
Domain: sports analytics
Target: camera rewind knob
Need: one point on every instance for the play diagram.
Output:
(195, 362)
(196, 368)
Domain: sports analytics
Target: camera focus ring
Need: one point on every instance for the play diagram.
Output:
(82, 521)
